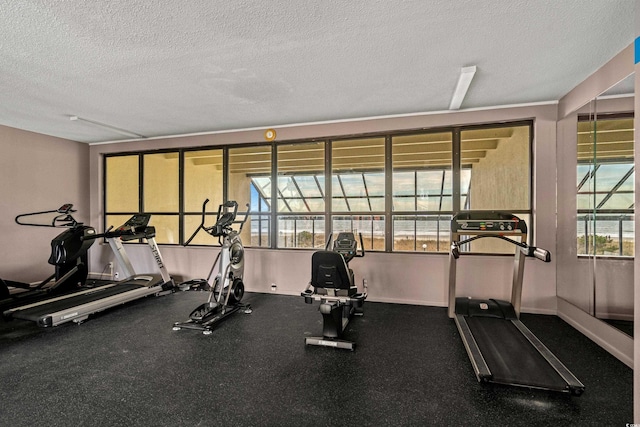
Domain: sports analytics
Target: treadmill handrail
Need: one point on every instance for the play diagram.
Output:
(530, 251)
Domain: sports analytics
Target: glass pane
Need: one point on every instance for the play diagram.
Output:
(431, 203)
(447, 203)
(583, 227)
(609, 176)
(287, 187)
(498, 163)
(166, 226)
(614, 235)
(121, 184)
(375, 184)
(115, 221)
(301, 231)
(371, 228)
(160, 183)
(421, 233)
(628, 183)
(301, 177)
(404, 184)
(167, 230)
(358, 205)
(191, 223)
(260, 195)
(358, 171)
(421, 170)
(628, 235)
(339, 205)
(353, 185)
(583, 172)
(377, 204)
(310, 186)
(249, 172)
(619, 201)
(404, 204)
(260, 226)
(203, 177)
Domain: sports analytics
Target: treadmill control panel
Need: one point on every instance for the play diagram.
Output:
(136, 227)
(135, 223)
(483, 221)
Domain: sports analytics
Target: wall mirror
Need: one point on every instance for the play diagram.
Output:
(605, 203)
(595, 226)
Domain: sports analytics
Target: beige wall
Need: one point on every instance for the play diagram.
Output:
(39, 173)
(402, 278)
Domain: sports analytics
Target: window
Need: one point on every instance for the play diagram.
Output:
(121, 184)
(301, 195)
(605, 185)
(249, 182)
(358, 189)
(144, 183)
(398, 190)
(422, 166)
(497, 162)
(202, 179)
(160, 194)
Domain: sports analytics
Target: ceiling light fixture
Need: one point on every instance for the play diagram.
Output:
(464, 81)
(105, 126)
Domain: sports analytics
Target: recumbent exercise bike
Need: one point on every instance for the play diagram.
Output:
(227, 289)
(332, 283)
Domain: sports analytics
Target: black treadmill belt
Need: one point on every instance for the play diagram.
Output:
(35, 313)
(511, 357)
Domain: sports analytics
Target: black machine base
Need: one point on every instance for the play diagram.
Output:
(336, 315)
(330, 342)
(206, 316)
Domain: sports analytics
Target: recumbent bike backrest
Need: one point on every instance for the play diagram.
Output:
(329, 270)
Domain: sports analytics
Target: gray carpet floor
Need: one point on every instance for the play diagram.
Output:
(127, 367)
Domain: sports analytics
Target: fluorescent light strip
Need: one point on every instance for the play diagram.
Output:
(464, 81)
(105, 126)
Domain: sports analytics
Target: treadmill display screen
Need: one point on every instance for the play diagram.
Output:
(497, 222)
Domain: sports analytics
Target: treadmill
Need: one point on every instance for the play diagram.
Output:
(78, 306)
(501, 348)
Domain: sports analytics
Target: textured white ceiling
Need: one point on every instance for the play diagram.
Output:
(165, 67)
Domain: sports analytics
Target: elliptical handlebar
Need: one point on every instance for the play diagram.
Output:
(201, 226)
(361, 255)
(65, 219)
(225, 218)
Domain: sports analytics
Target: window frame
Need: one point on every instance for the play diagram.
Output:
(272, 215)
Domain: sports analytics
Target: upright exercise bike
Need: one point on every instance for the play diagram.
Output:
(227, 289)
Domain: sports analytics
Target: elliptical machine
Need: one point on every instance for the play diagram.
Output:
(334, 286)
(227, 289)
(68, 256)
